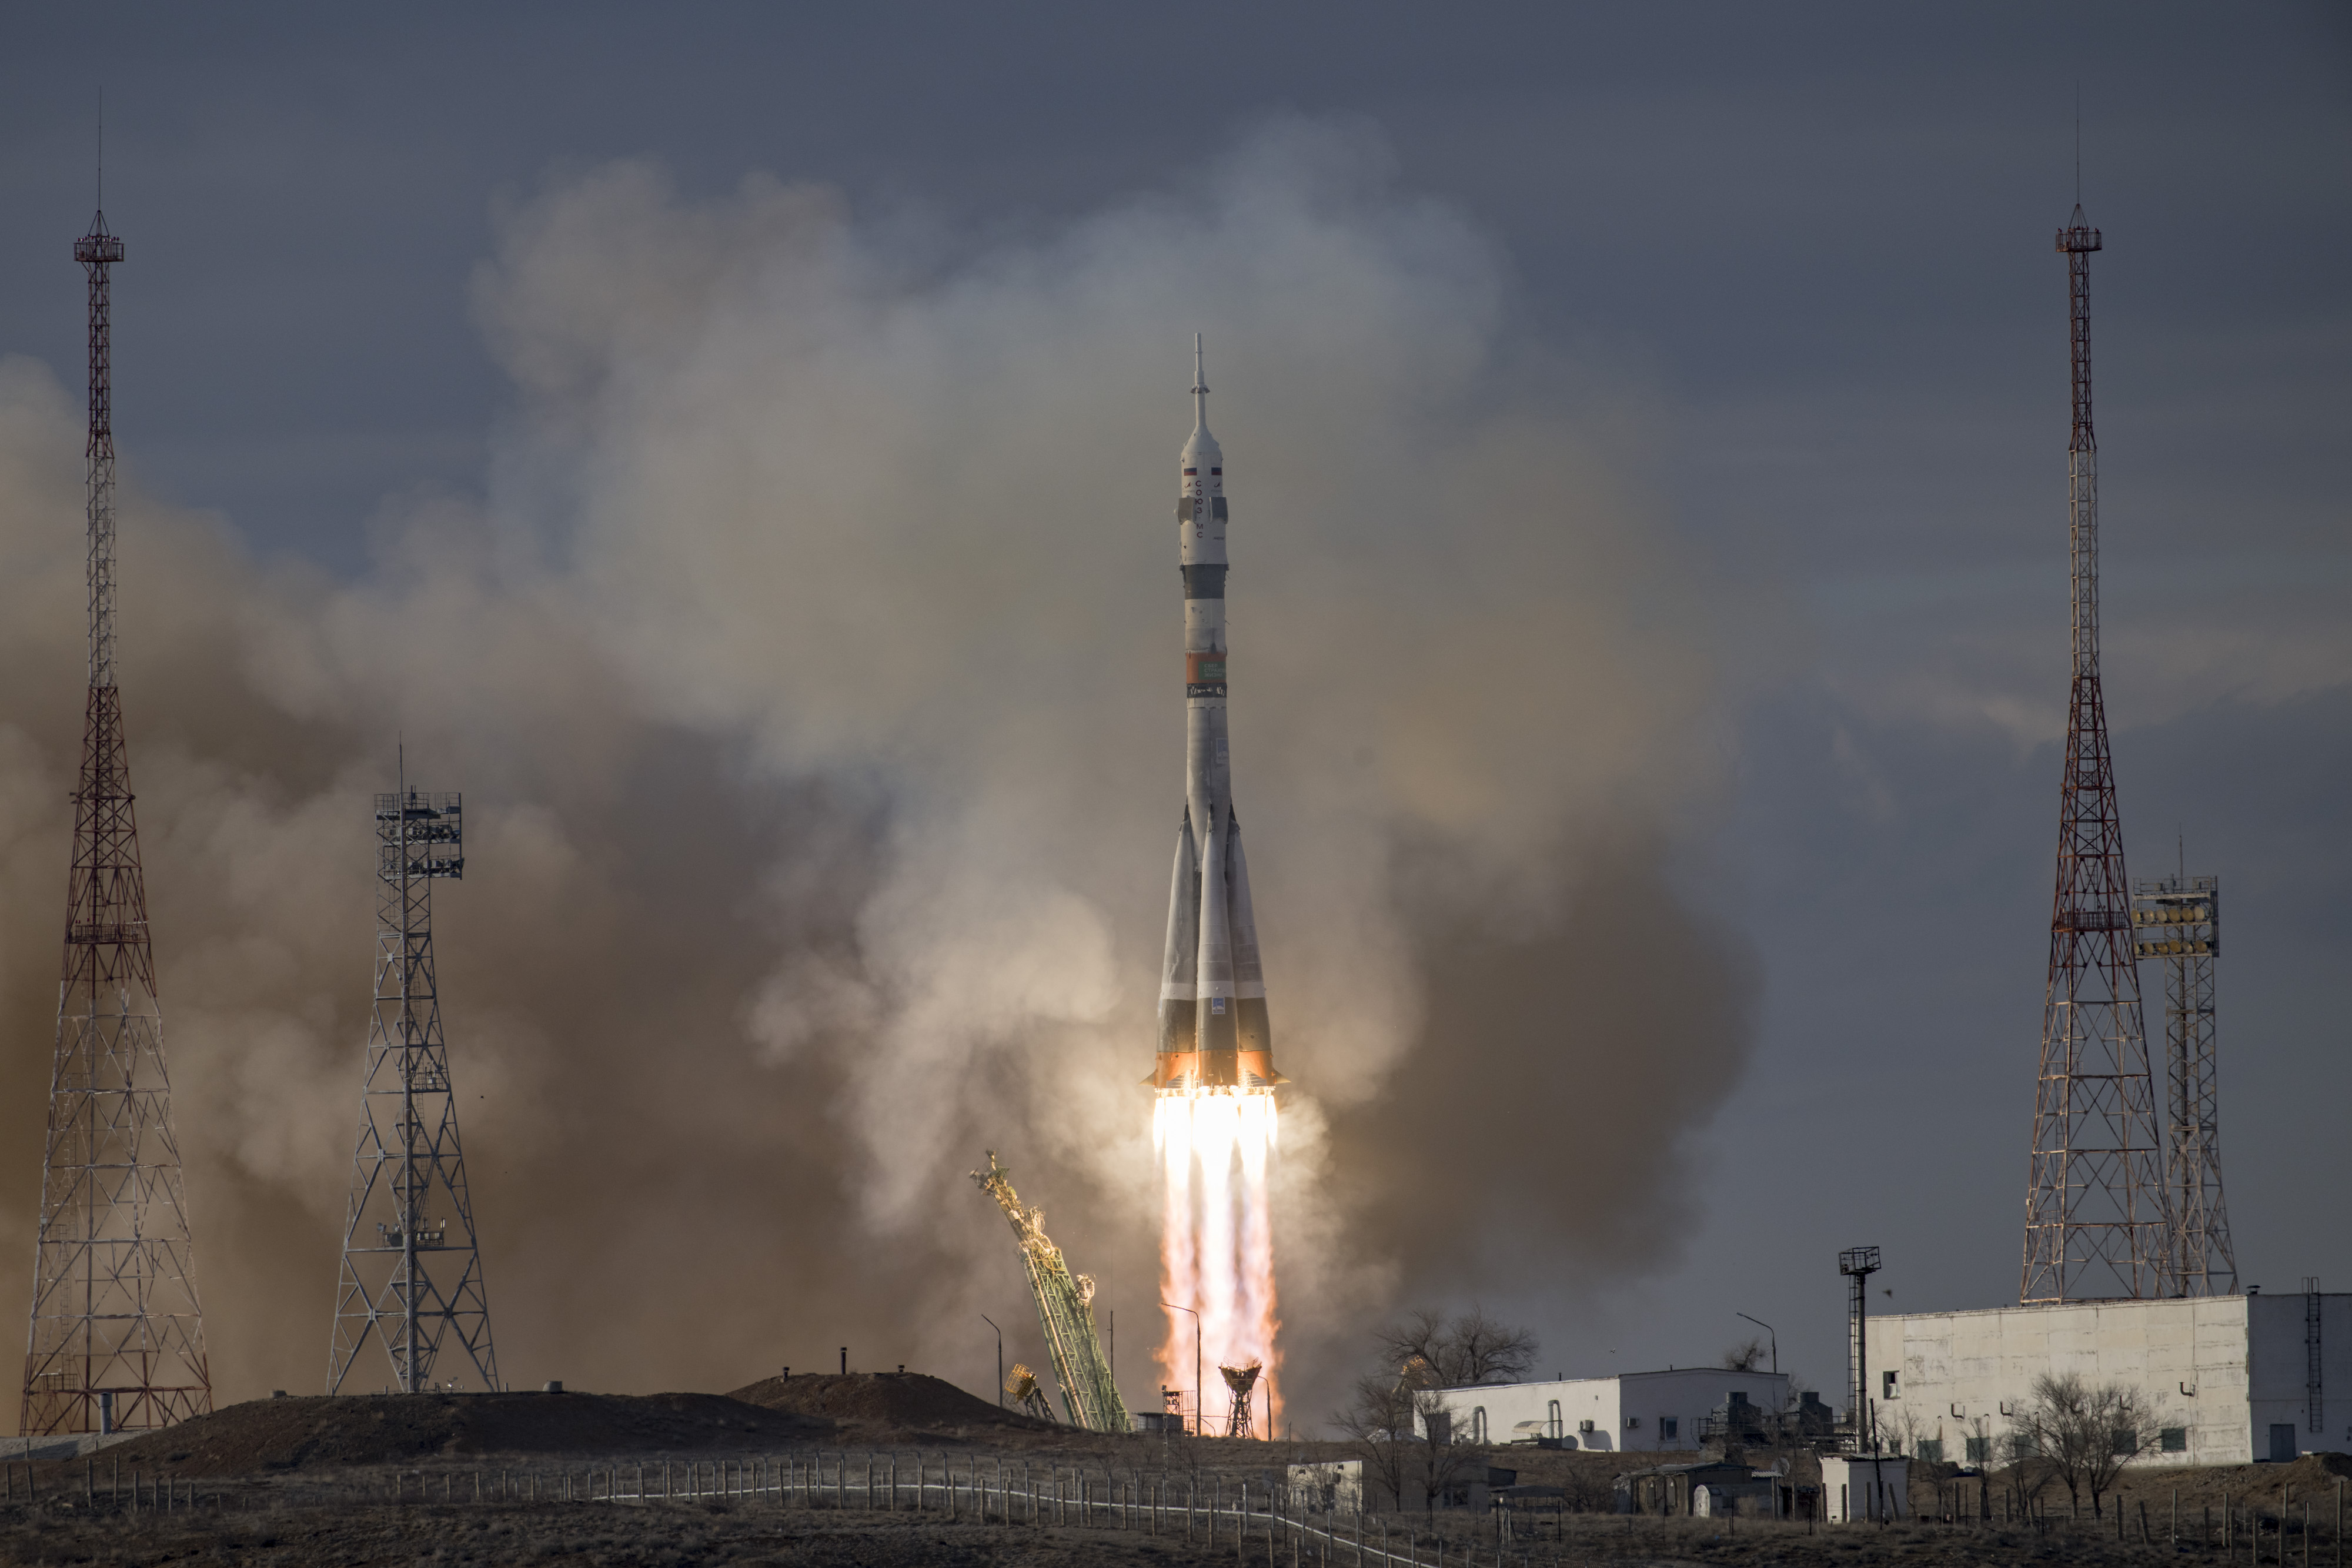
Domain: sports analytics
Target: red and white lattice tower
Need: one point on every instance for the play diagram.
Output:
(117, 1338)
(2095, 1225)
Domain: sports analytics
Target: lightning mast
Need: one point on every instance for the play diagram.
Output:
(2095, 1225)
(1065, 1309)
(117, 1339)
(2179, 921)
(412, 1275)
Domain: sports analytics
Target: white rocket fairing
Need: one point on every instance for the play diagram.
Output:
(1213, 1018)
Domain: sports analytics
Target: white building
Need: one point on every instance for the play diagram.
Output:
(1857, 1489)
(1634, 1412)
(2231, 1379)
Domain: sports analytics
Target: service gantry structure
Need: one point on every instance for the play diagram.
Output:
(2178, 922)
(2097, 1226)
(1064, 1310)
(116, 1340)
(411, 1273)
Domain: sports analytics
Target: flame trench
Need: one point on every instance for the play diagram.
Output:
(1215, 1147)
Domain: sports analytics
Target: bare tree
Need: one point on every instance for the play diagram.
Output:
(1488, 1351)
(1900, 1432)
(1434, 1351)
(2087, 1432)
(2029, 1473)
(1746, 1356)
(1437, 1462)
(1376, 1422)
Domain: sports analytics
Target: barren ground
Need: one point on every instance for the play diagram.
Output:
(346, 1482)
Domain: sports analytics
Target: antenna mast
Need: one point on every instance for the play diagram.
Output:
(412, 1274)
(2178, 922)
(117, 1339)
(2095, 1221)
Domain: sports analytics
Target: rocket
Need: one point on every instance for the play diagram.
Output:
(1213, 1020)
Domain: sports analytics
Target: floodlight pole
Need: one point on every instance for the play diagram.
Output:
(1000, 1359)
(1197, 1413)
(1768, 1329)
(1858, 1264)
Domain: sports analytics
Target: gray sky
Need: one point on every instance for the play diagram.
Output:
(1802, 253)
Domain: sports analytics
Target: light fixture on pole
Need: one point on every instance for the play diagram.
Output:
(1000, 1359)
(1196, 1359)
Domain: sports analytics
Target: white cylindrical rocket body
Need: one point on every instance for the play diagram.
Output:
(1213, 1017)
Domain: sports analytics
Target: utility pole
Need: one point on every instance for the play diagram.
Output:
(1199, 1416)
(117, 1338)
(411, 1273)
(2096, 1222)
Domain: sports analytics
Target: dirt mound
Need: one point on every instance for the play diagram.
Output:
(370, 1430)
(878, 1400)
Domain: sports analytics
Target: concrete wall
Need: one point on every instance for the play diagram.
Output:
(1628, 1413)
(2278, 1368)
(2225, 1368)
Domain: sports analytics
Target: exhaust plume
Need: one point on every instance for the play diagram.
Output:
(803, 666)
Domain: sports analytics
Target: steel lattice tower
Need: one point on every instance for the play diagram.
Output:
(2095, 1225)
(412, 1274)
(2179, 921)
(117, 1338)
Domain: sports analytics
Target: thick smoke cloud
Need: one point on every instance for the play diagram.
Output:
(810, 668)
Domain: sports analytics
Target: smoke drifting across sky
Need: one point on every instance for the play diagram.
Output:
(811, 667)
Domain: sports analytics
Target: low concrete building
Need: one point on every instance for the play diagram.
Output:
(1634, 1412)
(1855, 1488)
(2231, 1380)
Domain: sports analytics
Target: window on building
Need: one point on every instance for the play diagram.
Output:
(1931, 1450)
(1890, 1383)
(1478, 1424)
(2122, 1440)
(1979, 1451)
(1633, 1423)
(2173, 1440)
(1669, 1427)
(2025, 1446)
(1552, 1428)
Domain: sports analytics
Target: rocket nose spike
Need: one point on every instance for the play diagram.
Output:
(1199, 388)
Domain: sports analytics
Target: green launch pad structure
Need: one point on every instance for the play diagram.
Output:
(1065, 1311)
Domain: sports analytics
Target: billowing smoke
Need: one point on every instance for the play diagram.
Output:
(811, 668)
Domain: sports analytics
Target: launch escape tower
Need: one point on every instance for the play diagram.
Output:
(411, 1273)
(117, 1339)
(1065, 1311)
(2095, 1225)
(2178, 920)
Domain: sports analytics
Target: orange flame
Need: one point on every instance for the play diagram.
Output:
(1217, 1249)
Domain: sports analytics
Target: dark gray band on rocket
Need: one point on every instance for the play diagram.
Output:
(1203, 581)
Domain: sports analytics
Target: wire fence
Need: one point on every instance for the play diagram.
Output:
(1213, 1512)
